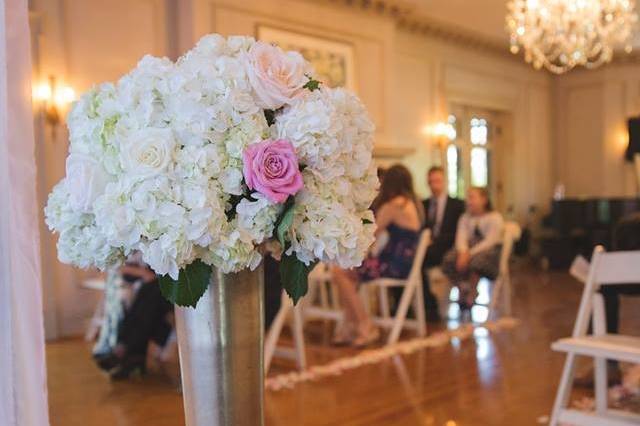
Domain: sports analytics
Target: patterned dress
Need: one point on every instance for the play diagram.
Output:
(113, 314)
(482, 237)
(395, 259)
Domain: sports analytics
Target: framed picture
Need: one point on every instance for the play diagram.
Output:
(333, 60)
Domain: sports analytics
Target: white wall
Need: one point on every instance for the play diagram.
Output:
(591, 109)
(406, 81)
(83, 42)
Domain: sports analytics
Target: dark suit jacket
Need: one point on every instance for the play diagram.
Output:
(447, 236)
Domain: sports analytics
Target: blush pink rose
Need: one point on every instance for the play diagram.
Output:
(271, 168)
(277, 77)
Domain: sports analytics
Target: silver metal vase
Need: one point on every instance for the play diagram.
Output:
(221, 352)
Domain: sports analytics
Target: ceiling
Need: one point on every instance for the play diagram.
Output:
(485, 18)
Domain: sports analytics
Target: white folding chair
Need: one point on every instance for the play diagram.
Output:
(322, 300)
(412, 293)
(502, 284)
(271, 347)
(606, 268)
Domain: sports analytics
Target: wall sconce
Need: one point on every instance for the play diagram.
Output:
(441, 132)
(53, 99)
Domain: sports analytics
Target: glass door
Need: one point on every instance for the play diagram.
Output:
(469, 156)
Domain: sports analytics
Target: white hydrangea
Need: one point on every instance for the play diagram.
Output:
(334, 137)
(331, 132)
(80, 241)
(156, 166)
(328, 227)
(257, 217)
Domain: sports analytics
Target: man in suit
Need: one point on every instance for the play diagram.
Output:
(442, 214)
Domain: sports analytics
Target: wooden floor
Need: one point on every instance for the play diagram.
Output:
(506, 378)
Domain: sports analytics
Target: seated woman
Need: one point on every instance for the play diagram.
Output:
(147, 318)
(477, 248)
(399, 214)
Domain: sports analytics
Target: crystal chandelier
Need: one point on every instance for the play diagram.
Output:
(562, 34)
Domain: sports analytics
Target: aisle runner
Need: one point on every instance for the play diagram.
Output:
(373, 356)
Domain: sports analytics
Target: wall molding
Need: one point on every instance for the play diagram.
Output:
(406, 18)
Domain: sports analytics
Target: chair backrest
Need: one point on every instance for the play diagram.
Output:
(618, 267)
(421, 251)
(510, 235)
(321, 273)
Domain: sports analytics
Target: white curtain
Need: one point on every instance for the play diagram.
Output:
(23, 390)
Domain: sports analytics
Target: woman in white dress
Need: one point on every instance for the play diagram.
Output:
(476, 253)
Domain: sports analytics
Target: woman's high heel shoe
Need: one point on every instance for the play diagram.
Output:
(107, 362)
(467, 298)
(367, 339)
(129, 366)
(343, 335)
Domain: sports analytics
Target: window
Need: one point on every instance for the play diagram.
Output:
(455, 184)
(468, 153)
(479, 132)
(479, 167)
(453, 167)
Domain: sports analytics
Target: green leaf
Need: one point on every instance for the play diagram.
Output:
(312, 85)
(190, 286)
(294, 275)
(366, 222)
(285, 223)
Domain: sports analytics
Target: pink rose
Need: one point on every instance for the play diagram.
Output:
(271, 168)
(276, 76)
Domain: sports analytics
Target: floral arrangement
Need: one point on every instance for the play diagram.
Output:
(209, 160)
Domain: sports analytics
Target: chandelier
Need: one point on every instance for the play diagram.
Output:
(562, 34)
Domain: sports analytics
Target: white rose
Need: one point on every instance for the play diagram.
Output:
(277, 77)
(86, 181)
(147, 152)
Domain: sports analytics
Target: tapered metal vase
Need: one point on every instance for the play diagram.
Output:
(221, 352)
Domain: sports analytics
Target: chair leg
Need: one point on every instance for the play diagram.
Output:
(401, 313)
(600, 383)
(507, 295)
(312, 291)
(324, 297)
(298, 338)
(271, 340)
(335, 298)
(444, 299)
(600, 364)
(364, 295)
(564, 389)
(418, 307)
(384, 302)
(495, 294)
